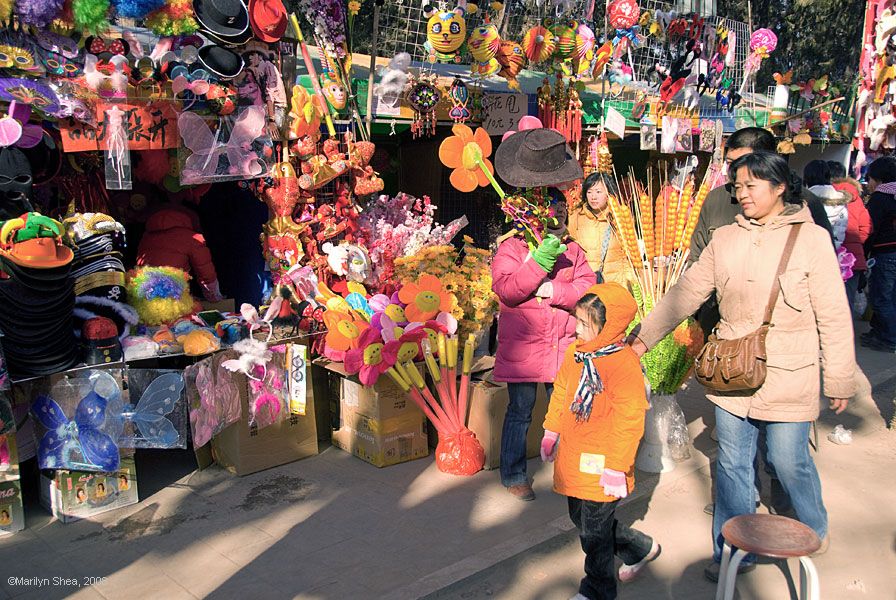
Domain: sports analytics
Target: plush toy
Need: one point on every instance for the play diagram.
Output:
(393, 80)
(446, 32)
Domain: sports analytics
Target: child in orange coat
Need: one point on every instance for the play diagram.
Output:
(593, 427)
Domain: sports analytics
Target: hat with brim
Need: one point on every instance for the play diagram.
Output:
(224, 21)
(39, 253)
(268, 19)
(46, 280)
(123, 315)
(536, 158)
(55, 364)
(221, 62)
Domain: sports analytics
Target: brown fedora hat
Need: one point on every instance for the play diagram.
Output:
(535, 158)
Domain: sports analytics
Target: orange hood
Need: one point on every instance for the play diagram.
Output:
(621, 309)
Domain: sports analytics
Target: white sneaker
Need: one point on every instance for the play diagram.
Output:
(580, 597)
(629, 572)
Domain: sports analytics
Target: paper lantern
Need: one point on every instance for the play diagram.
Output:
(539, 44)
(484, 42)
(565, 34)
(623, 14)
(584, 40)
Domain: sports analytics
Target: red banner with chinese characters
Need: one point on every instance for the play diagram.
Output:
(149, 127)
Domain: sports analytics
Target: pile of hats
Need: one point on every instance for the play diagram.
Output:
(36, 297)
(98, 242)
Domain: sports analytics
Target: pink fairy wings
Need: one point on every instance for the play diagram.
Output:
(207, 147)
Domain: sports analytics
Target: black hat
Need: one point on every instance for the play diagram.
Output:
(224, 21)
(15, 172)
(99, 341)
(220, 62)
(536, 158)
(47, 280)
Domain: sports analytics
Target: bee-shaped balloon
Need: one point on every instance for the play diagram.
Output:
(484, 43)
(445, 33)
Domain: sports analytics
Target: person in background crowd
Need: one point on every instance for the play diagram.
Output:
(740, 264)
(817, 176)
(837, 168)
(858, 228)
(881, 245)
(589, 225)
(172, 239)
(537, 289)
(594, 424)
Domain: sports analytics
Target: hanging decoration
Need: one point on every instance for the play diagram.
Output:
(762, 43)
(560, 108)
(484, 43)
(446, 32)
(539, 44)
(423, 96)
(460, 98)
(512, 59)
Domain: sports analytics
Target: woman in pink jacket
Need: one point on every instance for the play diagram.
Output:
(537, 288)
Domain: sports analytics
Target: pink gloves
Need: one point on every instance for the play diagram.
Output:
(549, 445)
(613, 481)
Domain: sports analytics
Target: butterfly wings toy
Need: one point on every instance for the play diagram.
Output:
(152, 426)
(205, 164)
(79, 443)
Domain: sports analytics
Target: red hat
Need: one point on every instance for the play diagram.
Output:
(268, 19)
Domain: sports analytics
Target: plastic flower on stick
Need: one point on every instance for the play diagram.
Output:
(467, 153)
(425, 298)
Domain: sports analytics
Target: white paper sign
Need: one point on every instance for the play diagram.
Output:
(298, 378)
(502, 111)
(615, 123)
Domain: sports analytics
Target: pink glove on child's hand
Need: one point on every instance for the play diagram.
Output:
(549, 445)
(614, 483)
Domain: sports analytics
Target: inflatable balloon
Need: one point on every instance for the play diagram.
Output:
(623, 14)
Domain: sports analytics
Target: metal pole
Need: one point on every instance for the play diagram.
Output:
(370, 76)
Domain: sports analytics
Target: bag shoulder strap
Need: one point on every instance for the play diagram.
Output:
(782, 266)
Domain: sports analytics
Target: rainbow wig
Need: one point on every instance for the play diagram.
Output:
(160, 294)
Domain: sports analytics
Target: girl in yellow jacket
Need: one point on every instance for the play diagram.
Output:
(589, 225)
(594, 424)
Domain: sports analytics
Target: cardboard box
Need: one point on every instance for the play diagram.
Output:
(74, 495)
(488, 405)
(379, 425)
(244, 450)
(12, 515)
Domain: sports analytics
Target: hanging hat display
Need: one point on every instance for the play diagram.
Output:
(224, 21)
(268, 19)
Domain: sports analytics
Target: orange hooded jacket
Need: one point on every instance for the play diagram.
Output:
(610, 437)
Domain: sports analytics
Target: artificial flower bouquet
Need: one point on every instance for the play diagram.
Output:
(376, 335)
(400, 226)
(466, 273)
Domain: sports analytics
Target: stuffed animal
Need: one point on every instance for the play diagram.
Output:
(393, 80)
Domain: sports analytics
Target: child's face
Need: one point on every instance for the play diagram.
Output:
(586, 329)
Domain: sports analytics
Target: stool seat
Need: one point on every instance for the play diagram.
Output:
(771, 535)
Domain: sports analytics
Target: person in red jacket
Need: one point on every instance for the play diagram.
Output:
(858, 228)
(172, 239)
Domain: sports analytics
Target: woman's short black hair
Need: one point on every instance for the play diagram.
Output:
(883, 170)
(754, 138)
(817, 172)
(767, 166)
(595, 178)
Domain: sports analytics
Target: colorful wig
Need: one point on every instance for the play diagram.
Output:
(160, 294)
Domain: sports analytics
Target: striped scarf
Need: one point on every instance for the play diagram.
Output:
(590, 383)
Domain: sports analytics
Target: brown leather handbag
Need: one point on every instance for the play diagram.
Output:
(740, 364)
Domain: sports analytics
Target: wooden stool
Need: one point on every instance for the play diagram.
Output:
(768, 535)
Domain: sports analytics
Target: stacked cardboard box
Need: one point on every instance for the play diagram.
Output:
(74, 495)
(243, 449)
(12, 517)
(380, 425)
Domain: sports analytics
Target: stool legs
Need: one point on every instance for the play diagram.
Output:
(728, 572)
(809, 586)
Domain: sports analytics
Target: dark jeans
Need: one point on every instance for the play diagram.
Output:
(882, 297)
(852, 288)
(516, 427)
(603, 537)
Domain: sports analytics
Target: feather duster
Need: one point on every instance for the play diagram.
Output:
(91, 15)
(38, 13)
(136, 9)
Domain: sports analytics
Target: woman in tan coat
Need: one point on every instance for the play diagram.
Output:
(589, 225)
(811, 313)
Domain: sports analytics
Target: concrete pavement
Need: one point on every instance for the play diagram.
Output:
(333, 527)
